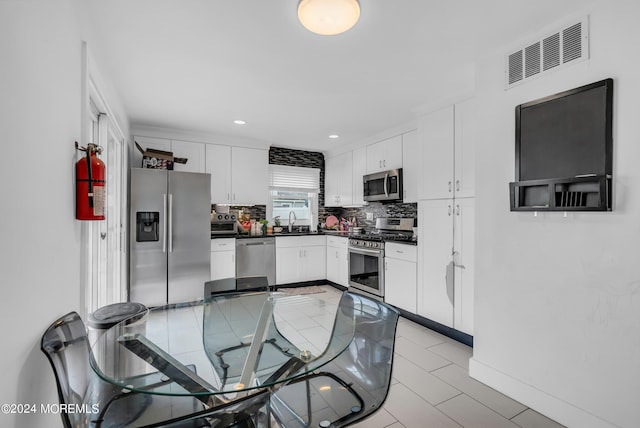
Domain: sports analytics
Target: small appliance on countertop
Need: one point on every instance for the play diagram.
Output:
(223, 223)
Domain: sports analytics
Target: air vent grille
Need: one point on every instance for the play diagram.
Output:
(567, 45)
(551, 49)
(515, 67)
(572, 43)
(532, 60)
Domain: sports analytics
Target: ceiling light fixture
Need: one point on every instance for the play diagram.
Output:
(239, 122)
(334, 136)
(328, 17)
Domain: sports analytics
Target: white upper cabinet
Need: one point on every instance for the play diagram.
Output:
(384, 155)
(359, 170)
(411, 168)
(436, 136)
(194, 152)
(249, 176)
(338, 180)
(239, 175)
(218, 164)
(464, 150)
(447, 144)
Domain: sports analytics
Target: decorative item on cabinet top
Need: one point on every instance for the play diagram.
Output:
(158, 159)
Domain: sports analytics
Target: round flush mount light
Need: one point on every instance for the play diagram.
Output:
(239, 122)
(328, 17)
(334, 136)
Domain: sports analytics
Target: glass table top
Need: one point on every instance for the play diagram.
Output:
(226, 345)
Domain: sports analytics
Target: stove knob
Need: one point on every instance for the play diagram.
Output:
(226, 216)
(219, 216)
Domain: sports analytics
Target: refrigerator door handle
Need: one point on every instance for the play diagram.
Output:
(164, 217)
(170, 223)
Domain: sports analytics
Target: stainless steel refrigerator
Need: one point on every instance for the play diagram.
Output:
(170, 236)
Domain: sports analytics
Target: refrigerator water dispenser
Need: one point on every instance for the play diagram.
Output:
(147, 226)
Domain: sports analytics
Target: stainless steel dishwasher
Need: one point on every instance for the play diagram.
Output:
(256, 257)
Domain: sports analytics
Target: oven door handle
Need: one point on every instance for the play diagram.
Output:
(377, 253)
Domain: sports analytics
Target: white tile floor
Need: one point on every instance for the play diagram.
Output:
(431, 386)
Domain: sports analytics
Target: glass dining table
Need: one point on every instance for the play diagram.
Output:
(224, 347)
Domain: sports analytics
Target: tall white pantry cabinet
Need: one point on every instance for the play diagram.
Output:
(446, 216)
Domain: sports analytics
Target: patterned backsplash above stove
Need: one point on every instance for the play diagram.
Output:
(378, 210)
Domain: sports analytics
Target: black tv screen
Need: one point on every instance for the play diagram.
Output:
(566, 135)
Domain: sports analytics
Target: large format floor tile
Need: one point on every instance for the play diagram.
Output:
(431, 387)
(430, 384)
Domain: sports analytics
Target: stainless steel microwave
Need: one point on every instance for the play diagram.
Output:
(383, 186)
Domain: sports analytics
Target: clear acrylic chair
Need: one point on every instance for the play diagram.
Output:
(351, 386)
(65, 343)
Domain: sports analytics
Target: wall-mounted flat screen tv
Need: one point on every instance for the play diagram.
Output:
(566, 135)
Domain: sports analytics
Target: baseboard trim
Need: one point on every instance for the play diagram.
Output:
(300, 284)
(452, 333)
(559, 410)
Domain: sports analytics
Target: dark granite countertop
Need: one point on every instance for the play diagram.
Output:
(303, 233)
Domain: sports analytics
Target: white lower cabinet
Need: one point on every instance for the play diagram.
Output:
(338, 260)
(445, 269)
(400, 266)
(223, 258)
(300, 259)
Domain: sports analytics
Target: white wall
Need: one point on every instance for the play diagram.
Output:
(40, 118)
(558, 299)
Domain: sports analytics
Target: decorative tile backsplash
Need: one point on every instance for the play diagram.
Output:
(291, 157)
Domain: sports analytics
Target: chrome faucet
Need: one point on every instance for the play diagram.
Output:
(291, 222)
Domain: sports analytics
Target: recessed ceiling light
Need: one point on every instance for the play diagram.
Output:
(334, 136)
(239, 122)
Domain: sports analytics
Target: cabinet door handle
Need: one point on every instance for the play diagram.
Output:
(456, 254)
(228, 197)
(450, 187)
(457, 209)
(449, 210)
(233, 258)
(457, 185)
(384, 163)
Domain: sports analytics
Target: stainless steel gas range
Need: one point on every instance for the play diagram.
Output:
(366, 254)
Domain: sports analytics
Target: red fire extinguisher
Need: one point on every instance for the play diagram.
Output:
(90, 184)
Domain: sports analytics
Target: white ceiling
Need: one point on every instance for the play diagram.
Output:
(196, 65)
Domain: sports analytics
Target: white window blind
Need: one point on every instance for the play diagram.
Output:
(294, 178)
